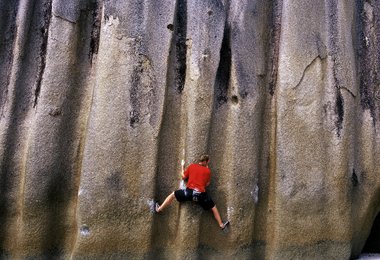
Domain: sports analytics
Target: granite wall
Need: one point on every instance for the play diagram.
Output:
(101, 100)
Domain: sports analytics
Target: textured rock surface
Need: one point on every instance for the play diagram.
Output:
(100, 101)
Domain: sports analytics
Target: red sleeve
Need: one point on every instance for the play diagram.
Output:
(186, 173)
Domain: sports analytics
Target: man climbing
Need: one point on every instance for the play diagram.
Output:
(198, 176)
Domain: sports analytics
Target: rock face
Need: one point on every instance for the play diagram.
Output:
(101, 100)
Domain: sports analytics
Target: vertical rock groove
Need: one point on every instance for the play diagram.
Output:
(367, 55)
(44, 31)
(7, 41)
(170, 145)
(376, 26)
(224, 69)
(97, 8)
(54, 185)
(274, 44)
(339, 109)
(8, 19)
(366, 40)
(14, 124)
(334, 50)
(202, 61)
(266, 239)
(181, 48)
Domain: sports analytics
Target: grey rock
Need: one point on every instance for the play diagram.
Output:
(101, 101)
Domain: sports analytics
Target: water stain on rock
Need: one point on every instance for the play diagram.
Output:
(339, 109)
(223, 73)
(114, 182)
(143, 94)
(354, 179)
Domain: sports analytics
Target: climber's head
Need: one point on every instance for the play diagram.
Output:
(204, 159)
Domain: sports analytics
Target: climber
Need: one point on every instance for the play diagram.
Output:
(198, 176)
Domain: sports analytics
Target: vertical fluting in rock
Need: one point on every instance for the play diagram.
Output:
(101, 101)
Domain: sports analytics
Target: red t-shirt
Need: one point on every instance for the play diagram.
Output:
(198, 175)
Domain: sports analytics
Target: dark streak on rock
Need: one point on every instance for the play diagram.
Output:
(376, 56)
(114, 182)
(333, 36)
(134, 114)
(223, 73)
(181, 48)
(142, 93)
(8, 176)
(96, 24)
(275, 35)
(368, 57)
(364, 64)
(339, 110)
(7, 43)
(134, 118)
(354, 179)
(47, 11)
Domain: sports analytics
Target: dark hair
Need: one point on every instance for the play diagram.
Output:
(204, 158)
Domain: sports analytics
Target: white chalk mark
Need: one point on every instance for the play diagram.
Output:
(84, 230)
(182, 184)
(151, 204)
(230, 212)
(255, 194)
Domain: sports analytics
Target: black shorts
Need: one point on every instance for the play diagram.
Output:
(202, 198)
